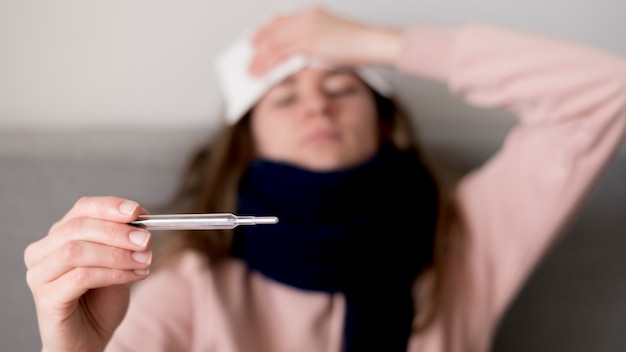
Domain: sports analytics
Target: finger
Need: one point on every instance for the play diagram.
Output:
(93, 230)
(270, 52)
(111, 208)
(78, 281)
(268, 30)
(269, 57)
(106, 208)
(76, 254)
(286, 24)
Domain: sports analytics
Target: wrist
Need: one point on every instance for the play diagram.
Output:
(384, 45)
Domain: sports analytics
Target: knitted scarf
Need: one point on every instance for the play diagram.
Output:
(366, 232)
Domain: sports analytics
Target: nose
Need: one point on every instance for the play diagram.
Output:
(317, 104)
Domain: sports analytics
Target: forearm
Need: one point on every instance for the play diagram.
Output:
(381, 45)
(541, 79)
(571, 103)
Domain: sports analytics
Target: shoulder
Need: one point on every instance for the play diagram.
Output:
(179, 296)
(191, 275)
(179, 271)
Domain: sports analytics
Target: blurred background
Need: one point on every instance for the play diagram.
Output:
(110, 98)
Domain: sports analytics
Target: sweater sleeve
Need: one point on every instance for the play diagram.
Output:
(570, 101)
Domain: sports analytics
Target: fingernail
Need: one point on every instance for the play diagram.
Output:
(142, 257)
(128, 208)
(139, 238)
(142, 272)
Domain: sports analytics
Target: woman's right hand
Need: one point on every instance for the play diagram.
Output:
(80, 273)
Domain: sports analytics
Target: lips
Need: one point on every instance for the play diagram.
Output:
(322, 136)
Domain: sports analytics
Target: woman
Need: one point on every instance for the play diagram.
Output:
(333, 276)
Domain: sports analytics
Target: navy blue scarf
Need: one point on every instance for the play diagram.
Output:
(366, 232)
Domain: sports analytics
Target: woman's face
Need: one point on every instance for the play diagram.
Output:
(317, 119)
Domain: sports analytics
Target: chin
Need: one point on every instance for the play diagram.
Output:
(330, 157)
(322, 162)
(324, 167)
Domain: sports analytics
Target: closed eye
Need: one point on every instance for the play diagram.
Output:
(285, 101)
(341, 92)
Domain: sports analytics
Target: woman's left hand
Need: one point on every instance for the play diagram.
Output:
(319, 34)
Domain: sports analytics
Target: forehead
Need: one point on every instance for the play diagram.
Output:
(315, 75)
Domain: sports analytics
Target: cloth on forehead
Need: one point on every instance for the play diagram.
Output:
(241, 90)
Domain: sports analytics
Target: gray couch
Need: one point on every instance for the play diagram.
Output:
(575, 301)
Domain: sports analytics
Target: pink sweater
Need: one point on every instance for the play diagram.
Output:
(570, 101)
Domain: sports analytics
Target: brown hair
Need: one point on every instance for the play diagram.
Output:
(210, 182)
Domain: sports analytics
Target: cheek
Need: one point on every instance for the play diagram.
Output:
(365, 135)
(271, 136)
(364, 121)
